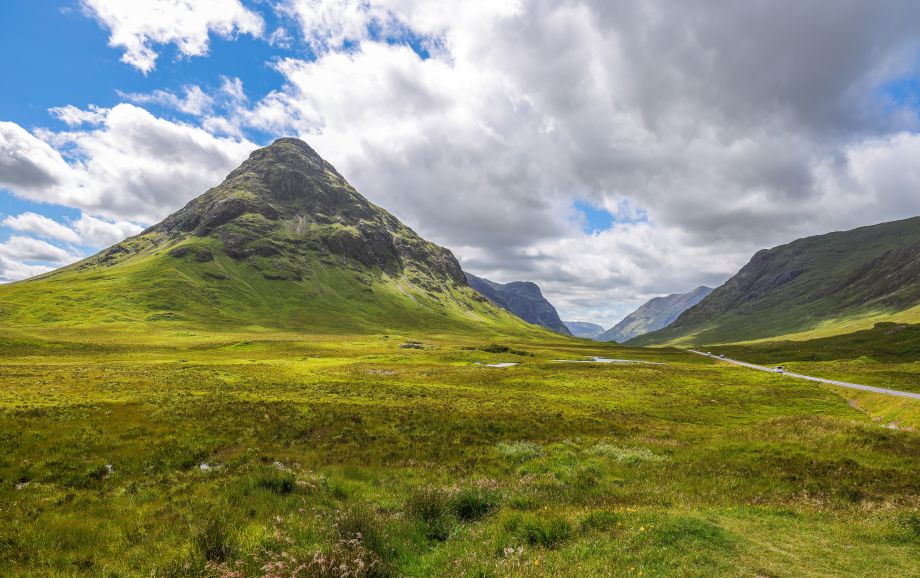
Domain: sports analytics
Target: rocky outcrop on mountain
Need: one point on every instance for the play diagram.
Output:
(286, 200)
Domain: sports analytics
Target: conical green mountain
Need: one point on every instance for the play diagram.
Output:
(283, 242)
(818, 286)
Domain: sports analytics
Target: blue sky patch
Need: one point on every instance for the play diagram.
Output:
(594, 219)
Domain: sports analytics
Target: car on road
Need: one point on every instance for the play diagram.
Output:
(779, 369)
(722, 356)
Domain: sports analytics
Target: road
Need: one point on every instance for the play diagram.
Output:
(881, 390)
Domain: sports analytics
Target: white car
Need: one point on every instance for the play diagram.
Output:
(779, 369)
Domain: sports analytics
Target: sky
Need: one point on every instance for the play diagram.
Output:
(608, 150)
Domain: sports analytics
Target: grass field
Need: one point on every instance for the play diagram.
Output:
(170, 451)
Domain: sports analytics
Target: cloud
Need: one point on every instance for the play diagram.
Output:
(73, 116)
(23, 248)
(98, 233)
(131, 167)
(194, 100)
(11, 270)
(41, 226)
(728, 127)
(26, 162)
(139, 25)
(709, 128)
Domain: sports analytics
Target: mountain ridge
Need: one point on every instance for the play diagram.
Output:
(523, 299)
(831, 282)
(654, 314)
(584, 329)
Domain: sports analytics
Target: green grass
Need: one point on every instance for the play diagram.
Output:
(885, 356)
(331, 449)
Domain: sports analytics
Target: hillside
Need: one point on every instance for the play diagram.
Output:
(655, 314)
(522, 298)
(283, 242)
(823, 285)
(584, 329)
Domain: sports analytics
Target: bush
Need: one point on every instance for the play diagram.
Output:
(276, 481)
(495, 348)
(432, 508)
(214, 541)
(361, 522)
(349, 558)
(519, 452)
(548, 532)
(602, 521)
(910, 521)
(471, 504)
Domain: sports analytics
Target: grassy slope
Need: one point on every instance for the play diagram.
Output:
(153, 288)
(885, 356)
(444, 468)
(817, 286)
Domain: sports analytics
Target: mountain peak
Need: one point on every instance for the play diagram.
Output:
(285, 240)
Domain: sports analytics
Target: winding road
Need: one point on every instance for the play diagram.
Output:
(881, 390)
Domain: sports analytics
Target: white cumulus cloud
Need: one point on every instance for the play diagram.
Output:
(138, 26)
(133, 166)
(41, 226)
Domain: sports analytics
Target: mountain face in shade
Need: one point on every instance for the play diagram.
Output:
(521, 298)
(655, 314)
(840, 282)
(283, 241)
(584, 329)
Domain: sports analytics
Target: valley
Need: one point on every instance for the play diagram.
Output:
(282, 379)
(174, 450)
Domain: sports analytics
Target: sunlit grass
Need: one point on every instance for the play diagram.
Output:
(178, 451)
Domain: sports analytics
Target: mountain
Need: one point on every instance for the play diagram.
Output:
(655, 314)
(817, 286)
(521, 298)
(584, 329)
(283, 242)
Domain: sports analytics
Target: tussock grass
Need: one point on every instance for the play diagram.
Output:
(327, 452)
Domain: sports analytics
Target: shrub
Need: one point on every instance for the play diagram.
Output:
(432, 508)
(214, 541)
(347, 558)
(361, 522)
(519, 452)
(546, 532)
(910, 521)
(495, 348)
(602, 521)
(471, 504)
(276, 481)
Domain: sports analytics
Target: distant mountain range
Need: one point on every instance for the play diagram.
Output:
(655, 314)
(521, 298)
(584, 329)
(824, 285)
(284, 242)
